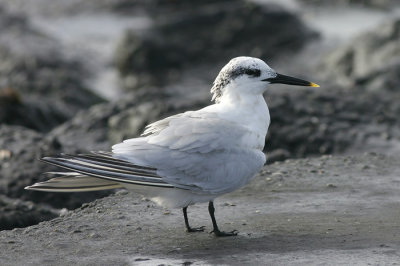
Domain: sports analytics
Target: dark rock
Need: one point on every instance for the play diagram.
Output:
(50, 84)
(20, 150)
(17, 213)
(370, 61)
(330, 120)
(207, 35)
(381, 4)
(161, 7)
(32, 112)
(155, 8)
(277, 155)
(385, 78)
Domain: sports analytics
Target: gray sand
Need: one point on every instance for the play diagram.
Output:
(328, 210)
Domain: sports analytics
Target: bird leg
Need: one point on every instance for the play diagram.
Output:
(216, 231)
(188, 228)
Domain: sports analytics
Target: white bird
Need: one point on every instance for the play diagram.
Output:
(190, 157)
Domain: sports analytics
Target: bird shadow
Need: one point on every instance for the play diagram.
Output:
(212, 248)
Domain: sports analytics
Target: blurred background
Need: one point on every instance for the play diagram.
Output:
(81, 75)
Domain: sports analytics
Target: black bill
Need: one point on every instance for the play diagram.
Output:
(283, 79)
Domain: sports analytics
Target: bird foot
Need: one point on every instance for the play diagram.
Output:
(196, 229)
(218, 233)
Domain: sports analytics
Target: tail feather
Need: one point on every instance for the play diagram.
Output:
(97, 171)
(114, 164)
(72, 182)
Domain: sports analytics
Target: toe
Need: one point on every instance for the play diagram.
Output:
(197, 229)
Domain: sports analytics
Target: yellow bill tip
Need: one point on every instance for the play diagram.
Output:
(312, 84)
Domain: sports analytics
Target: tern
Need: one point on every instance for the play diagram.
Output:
(190, 157)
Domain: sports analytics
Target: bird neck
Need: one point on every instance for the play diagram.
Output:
(250, 110)
(235, 97)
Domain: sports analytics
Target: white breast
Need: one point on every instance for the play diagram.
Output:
(253, 114)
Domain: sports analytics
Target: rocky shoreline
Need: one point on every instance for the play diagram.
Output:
(159, 58)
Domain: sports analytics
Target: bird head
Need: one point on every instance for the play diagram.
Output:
(249, 75)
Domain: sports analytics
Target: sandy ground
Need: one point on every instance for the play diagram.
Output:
(328, 210)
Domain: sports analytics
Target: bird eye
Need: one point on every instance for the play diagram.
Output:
(253, 72)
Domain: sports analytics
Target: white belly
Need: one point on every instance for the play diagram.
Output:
(236, 172)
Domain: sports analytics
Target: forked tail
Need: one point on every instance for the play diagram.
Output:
(72, 182)
(96, 171)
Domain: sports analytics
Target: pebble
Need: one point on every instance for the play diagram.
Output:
(64, 211)
(94, 235)
(5, 154)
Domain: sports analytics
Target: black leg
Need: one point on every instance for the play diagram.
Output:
(216, 231)
(188, 228)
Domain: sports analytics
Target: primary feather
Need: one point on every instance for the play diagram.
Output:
(73, 182)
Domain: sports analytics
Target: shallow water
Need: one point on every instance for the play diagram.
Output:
(94, 36)
(344, 23)
(337, 21)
